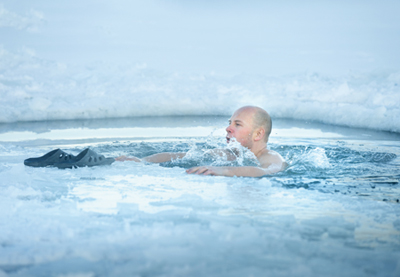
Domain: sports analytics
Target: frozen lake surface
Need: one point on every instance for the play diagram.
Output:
(334, 211)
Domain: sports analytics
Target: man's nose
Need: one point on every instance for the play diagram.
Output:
(228, 129)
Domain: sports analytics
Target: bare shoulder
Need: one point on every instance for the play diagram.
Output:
(270, 158)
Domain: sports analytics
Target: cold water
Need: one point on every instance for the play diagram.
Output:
(333, 211)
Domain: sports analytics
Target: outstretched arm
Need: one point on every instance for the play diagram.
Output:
(168, 156)
(156, 158)
(163, 157)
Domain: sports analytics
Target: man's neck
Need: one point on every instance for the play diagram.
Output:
(258, 150)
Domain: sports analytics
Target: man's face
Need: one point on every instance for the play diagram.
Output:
(241, 128)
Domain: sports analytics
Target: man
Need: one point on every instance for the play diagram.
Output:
(251, 127)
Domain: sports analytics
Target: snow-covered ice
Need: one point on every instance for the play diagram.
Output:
(141, 77)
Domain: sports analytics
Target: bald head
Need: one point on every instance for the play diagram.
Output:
(260, 119)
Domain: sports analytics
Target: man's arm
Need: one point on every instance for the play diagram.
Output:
(230, 171)
(269, 165)
(156, 158)
(163, 157)
(168, 156)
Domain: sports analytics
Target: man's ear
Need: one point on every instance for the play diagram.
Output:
(260, 132)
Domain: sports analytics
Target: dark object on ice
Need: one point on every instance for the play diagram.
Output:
(49, 159)
(86, 158)
(60, 159)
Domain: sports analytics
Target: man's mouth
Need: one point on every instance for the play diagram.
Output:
(227, 139)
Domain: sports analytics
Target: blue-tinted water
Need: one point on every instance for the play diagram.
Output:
(333, 211)
(347, 167)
